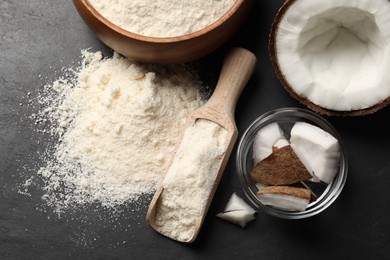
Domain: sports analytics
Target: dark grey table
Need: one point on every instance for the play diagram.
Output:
(39, 37)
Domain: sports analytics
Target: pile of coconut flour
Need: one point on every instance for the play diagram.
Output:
(117, 122)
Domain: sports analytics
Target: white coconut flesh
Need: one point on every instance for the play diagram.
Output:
(318, 150)
(265, 139)
(335, 53)
(284, 202)
(237, 211)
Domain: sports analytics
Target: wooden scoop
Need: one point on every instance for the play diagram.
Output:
(237, 69)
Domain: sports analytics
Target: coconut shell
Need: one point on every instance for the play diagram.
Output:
(282, 167)
(304, 101)
(287, 190)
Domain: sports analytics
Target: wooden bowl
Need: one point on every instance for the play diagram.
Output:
(168, 50)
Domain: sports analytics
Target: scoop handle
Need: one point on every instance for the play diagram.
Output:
(238, 67)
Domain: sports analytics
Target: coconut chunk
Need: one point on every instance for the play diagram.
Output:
(237, 211)
(285, 197)
(332, 55)
(318, 150)
(282, 167)
(264, 140)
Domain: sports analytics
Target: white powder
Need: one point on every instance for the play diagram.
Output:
(190, 179)
(119, 122)
(162, 18)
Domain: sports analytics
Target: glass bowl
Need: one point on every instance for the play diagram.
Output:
(286, 117)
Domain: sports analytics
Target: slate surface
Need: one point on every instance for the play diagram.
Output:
(39, 37)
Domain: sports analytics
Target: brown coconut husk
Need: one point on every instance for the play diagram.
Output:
(282, 167)
(286, 190)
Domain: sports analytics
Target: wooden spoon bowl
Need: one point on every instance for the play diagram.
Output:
(168, 50)
(237, 69)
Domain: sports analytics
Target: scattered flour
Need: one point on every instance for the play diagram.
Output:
(117, 123)
(190, 179)
(162, 18)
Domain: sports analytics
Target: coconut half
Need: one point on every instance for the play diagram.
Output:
(334, 55)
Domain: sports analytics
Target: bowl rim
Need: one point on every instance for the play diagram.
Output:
(332, 190)
(237, 4)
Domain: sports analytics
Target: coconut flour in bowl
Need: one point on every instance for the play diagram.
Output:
(162, 18)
